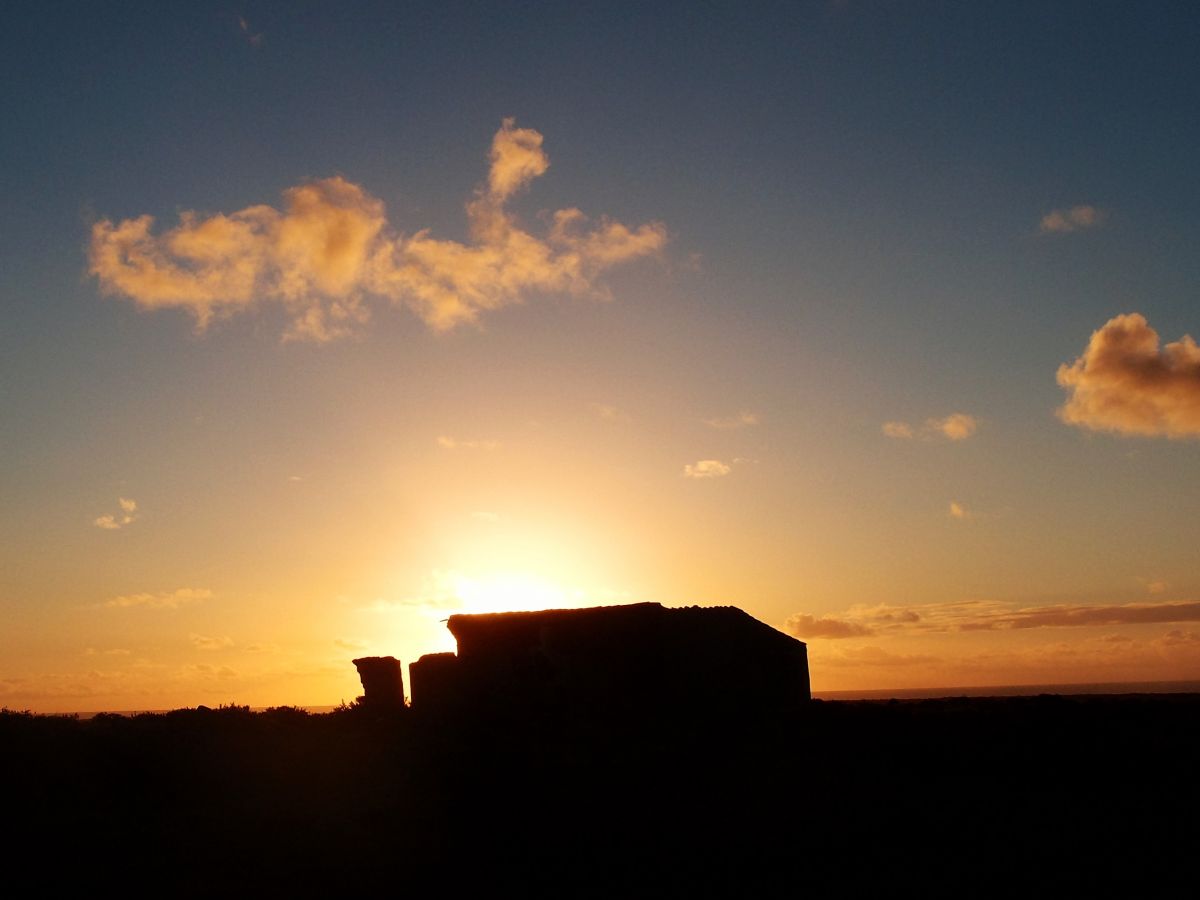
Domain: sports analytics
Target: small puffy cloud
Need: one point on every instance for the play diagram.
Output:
(958, 511)
(954, 427)
(448, 443)
(330, 246)
(706, 468)
(1076, 218)
(112, 522)
(1156, 587)
(1126, 383)
(162, 600)
(349, 644)
(806, 626)
(205, 642)
(743, 419)
(262, 648)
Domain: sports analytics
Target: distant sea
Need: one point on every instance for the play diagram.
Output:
(1018, 690)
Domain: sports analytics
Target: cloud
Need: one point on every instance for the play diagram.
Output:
(1077, 218)
(449, 443)
(858, 621)
(1129, 614)
(706, 468)
(954, 427)
(805, 626)
(1178, 638)
(248, 33)
(1124, 382)
(958, 511)
(611, 413)
(112, 522)
(1156, 587)
(349, 644)
(331, 246)
(163, 600)
(204, 642)
(986, 615)
(741, 420)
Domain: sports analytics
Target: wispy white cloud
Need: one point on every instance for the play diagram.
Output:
(449, 443)
(611, 413)
(900, 430)
(162, 600)
(706, 468)
(206, 642)
(331, 246)
(1075, 218)
(1126, 383)
(743, 419)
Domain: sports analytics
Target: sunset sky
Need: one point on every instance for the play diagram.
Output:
(323, 322)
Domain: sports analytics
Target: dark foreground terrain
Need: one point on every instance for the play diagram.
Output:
(1039, 796)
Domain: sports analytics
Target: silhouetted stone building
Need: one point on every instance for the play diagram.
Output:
(382, 680)
(630, 661)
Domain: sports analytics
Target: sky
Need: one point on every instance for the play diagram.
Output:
(322, 323)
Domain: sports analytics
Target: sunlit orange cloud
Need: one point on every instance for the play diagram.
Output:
(331, 246)
(984, 615)
(954, 427)
(165, 600)
(1075, 218)
(1125, 383)
(744, 419)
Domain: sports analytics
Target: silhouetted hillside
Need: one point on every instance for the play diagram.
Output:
(1038, 794)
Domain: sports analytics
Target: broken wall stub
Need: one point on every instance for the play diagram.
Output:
(382, 680)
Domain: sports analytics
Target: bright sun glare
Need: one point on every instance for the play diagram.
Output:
(510, 592)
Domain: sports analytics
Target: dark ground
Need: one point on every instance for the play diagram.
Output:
(1040, 796)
